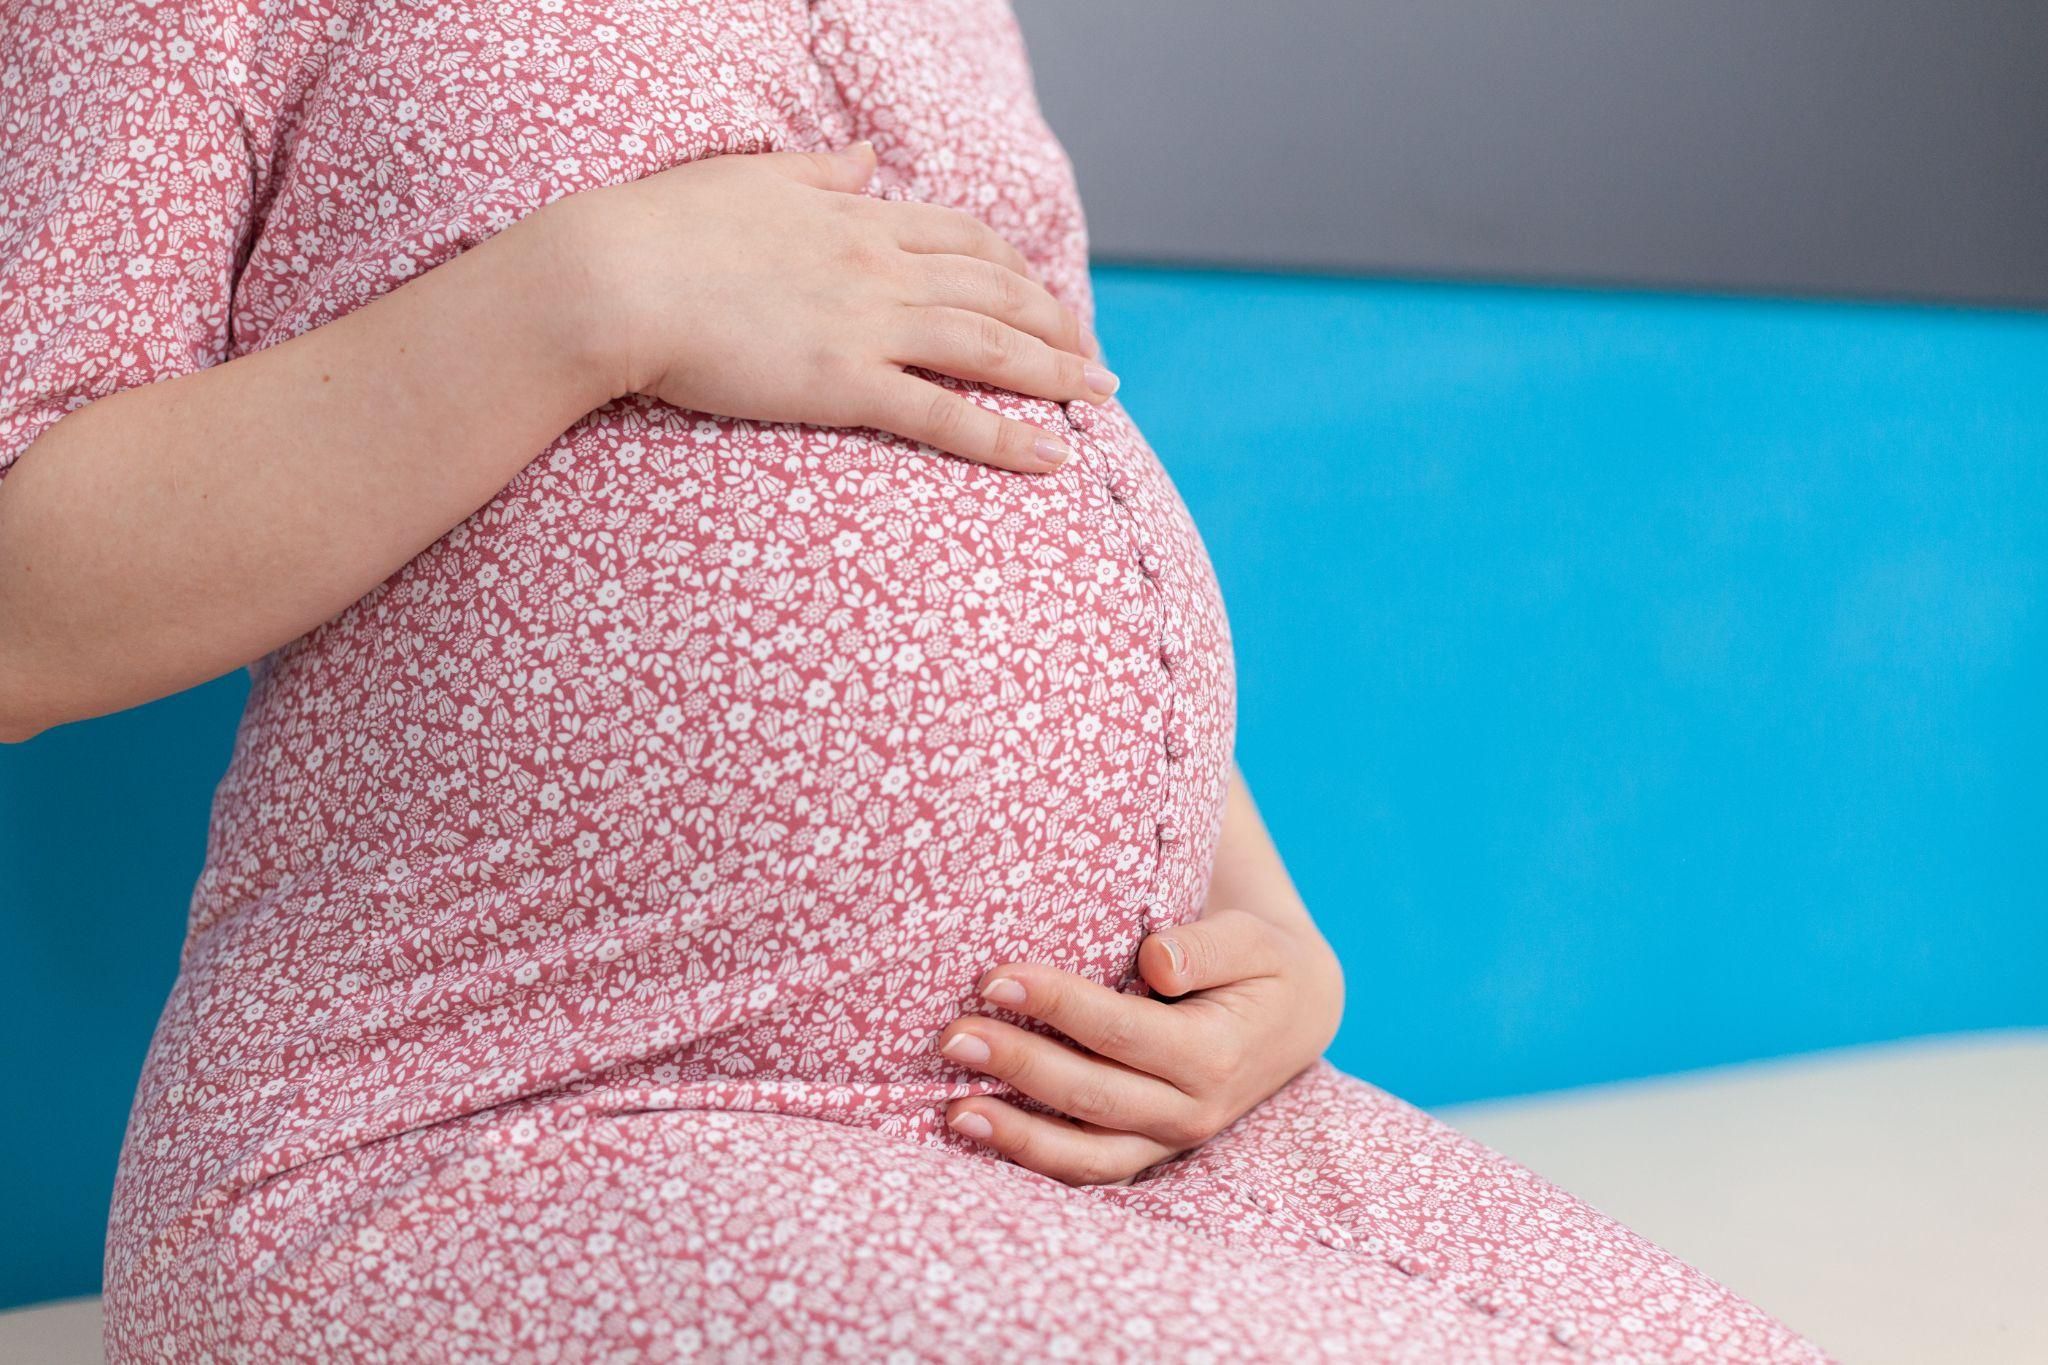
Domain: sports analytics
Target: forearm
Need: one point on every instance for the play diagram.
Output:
(1249, 874)
(167, 534)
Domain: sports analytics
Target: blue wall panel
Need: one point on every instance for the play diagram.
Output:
(1633, 683)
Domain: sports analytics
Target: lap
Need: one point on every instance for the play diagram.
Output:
(1336, 1162)
(1332, 1222)
(672, 1235)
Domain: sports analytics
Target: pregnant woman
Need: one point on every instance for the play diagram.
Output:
(733, 848)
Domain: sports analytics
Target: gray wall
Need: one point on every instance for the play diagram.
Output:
(1865, 147)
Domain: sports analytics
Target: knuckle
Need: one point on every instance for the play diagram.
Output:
(991, 341)
(1017, 1065)
(862, 253)
(942, 417)
(1114, 1032)
(1203, 1074)
(879, 404)
(834, 362)
(1190, 1127)
(978, 233)
(999, 247)
(1091, 1167)
(1016, 443)
(1208, 1122)
(1095, 1101)
(1021, 1146)
(1223, 1058)
(1009, 290)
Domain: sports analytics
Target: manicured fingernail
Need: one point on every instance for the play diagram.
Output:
(1053, 452)
(1004, 991)
(967, 1050)
(1094, 346)
(967, 1123)
(1176, 955)
(1099, 379)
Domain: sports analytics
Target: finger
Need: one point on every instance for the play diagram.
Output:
(1092, 1089)
(977, 346)
(953, 232)
(1077, 1153)
(923, 411)
(1142, 1033)
(846, 169)
(1221, 947)
(984, 287)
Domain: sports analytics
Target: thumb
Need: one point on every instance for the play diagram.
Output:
(846, 170)
(1221, 947)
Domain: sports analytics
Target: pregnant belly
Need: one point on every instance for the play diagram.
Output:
(712, 760)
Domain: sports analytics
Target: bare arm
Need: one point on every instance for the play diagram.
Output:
(1250, 877)
(166, 534)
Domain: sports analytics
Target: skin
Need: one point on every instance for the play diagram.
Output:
(175, 531)
(1253, 994)
(172, 532)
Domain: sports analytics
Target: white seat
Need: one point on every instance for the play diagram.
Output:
(1884, 1200)
(63, 1333)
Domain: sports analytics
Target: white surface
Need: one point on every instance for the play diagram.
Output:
(65, 1333)
(1888, 1201)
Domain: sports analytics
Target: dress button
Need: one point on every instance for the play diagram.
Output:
(1258, 1199)
(1149, 562)
(1175, 745)
(1168, 831)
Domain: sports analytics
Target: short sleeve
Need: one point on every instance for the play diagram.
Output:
(124, 201)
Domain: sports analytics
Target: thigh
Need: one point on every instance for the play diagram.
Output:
(676, 1235)
(1331, 1161)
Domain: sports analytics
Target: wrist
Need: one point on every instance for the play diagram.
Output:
(569, 277)
(1322, 993)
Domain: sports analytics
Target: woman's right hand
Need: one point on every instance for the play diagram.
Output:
(767, 287)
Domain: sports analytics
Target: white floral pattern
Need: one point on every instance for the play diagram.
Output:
(581, 904)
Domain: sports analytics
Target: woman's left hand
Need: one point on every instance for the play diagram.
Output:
(1151, 1078)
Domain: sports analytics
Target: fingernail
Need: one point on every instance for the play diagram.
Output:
(1053, 452)
(967, 1123)
(1094, 346)
(1176, 955)
(967, 1050)
(1099, 379)
(1004, 991)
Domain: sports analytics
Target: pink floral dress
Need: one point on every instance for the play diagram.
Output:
(580, 905)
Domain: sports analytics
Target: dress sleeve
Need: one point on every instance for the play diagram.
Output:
(125, 200)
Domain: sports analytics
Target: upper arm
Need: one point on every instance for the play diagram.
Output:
(125, 200)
